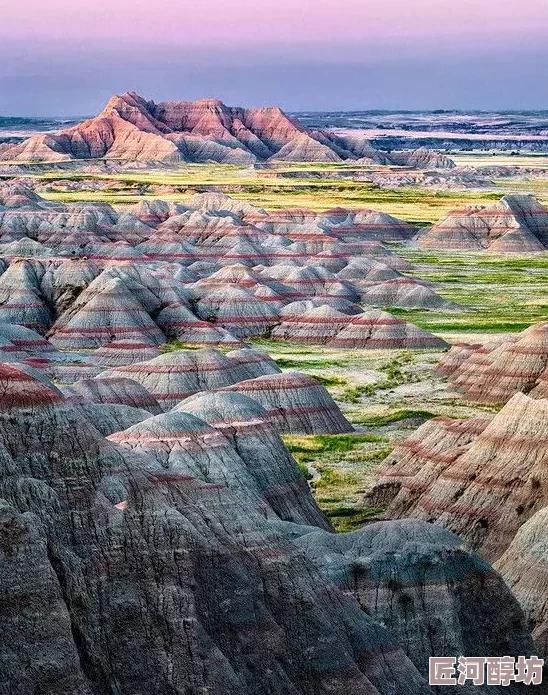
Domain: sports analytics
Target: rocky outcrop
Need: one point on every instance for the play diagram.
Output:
(422, 158)
(481, 479)
(417, 462)
(524, 568)
(494, 372)
(515, 224)
(296, 402)
(254, 436)
(213, 272)
(132, 129)
(121, 572)
(419, 581)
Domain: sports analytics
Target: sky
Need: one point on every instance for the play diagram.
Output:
(66, 57)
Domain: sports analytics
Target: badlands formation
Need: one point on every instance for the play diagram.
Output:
(484, 478)
(515, 224)
(211, 272)
(156, 535)
(185, 553)
(131, 128)
(159, 533)
(493, 372)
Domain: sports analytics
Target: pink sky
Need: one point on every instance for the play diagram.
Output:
(68, 56)
(237, 21)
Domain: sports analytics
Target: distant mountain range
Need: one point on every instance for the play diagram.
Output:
(131, 128)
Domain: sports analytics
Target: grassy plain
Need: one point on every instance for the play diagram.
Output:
(303, 190)
(385, 394)
(503, 293)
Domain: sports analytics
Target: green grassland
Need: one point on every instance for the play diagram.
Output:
(340, 467)
(502, 293)
(504, 159)
(419, 205)
(314, 186)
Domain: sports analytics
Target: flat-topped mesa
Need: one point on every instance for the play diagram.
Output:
(515, 224)
(480, 479)
(297, 403)
(131, 128)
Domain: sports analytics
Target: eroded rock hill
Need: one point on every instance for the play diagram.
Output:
(515, 224)
(131, 128)
(212, 271)
(124, 571)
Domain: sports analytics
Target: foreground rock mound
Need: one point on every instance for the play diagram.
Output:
(176, 375)
(524, 567)
(296, 402)
(122, 574)
(253, 434)
(418, 579)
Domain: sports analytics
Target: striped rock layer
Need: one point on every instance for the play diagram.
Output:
(254, 435)
(122, 571)
(482, 479)
(134, 129)
(494, 372)
(485, 479)
(212, 272)
(296, 402)
(515, 224)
